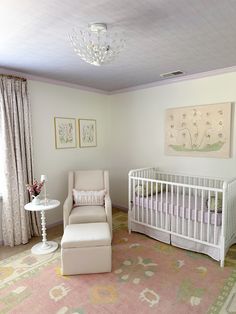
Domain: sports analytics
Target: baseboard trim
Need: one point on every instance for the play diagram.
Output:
(54, 224)
(123, 208)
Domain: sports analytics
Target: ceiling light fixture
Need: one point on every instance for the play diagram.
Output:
(96, 45)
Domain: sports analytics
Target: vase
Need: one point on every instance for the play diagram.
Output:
(36, 200)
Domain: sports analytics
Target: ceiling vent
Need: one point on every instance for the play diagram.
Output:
(171, 74)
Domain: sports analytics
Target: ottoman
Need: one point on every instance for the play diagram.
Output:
(86, 249)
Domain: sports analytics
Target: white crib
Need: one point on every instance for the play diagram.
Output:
(192, 212)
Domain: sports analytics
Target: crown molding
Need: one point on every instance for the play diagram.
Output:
(120, 91)
(175, 80)
(51, 81)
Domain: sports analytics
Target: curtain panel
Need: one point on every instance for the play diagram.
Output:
(18, 225)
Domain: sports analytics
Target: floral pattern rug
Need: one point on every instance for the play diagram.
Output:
(147, 277)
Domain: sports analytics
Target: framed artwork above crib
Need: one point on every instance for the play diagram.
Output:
(199, 131)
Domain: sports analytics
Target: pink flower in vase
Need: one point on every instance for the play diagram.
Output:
(35, 188)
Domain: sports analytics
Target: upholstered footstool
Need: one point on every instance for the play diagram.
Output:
(86, 248)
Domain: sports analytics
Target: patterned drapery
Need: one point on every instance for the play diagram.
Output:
(18, 225)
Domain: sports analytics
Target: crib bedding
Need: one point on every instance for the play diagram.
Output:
(189, 244)
(155, 202)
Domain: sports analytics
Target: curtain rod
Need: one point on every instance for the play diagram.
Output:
(13, 76)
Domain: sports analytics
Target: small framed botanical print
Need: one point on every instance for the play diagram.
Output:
(87, 133)
(65, 132)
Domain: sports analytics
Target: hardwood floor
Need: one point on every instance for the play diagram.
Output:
(52, 233)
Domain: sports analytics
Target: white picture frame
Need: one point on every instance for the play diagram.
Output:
(65, 132)
(87, 133)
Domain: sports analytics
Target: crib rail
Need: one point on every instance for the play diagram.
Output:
(189, 207)
(155, 173)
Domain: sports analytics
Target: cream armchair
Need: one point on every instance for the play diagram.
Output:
(87, 180)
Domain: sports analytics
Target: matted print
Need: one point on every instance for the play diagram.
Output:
(87, 133)
(65, 132)
(202, 131)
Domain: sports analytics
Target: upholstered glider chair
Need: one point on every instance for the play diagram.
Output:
(88, 198)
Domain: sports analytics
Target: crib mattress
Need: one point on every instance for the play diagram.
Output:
(180, 210)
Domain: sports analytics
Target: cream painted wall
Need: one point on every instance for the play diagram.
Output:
(49, 101)
(137, 120)
(130, 129)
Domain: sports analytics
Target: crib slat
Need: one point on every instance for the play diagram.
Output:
(189, 210)
(151, 203)
(142, 201)
(208, 216)
(215, 222)
(172, 202)
(156, 202)
(183, 211)
(161, 203)
(230, 205)
(201, 231)
(177, 217)
(147, 202)
(138, 201)
(195, 214)
(134, 203)
(166, 215)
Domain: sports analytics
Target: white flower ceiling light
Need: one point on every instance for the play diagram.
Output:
(96, 45)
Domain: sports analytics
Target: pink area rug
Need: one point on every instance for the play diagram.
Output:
(147, 277)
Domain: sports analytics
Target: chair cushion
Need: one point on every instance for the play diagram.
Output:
(84, 214)
(86, 235)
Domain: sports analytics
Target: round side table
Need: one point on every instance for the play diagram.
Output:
(45, 246)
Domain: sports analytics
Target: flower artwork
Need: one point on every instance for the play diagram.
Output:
(35, 188)
(87, 133)
(65, 132)
(199, 131)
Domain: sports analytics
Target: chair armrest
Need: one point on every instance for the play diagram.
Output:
(67, 209)
(108, 210)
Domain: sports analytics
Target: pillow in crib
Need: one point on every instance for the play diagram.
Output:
(138, 188)
(84, 198)
(211, 203)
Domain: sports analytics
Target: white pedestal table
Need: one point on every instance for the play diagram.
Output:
(45, 246)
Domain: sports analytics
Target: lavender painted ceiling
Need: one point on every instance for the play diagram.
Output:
(162, 35)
